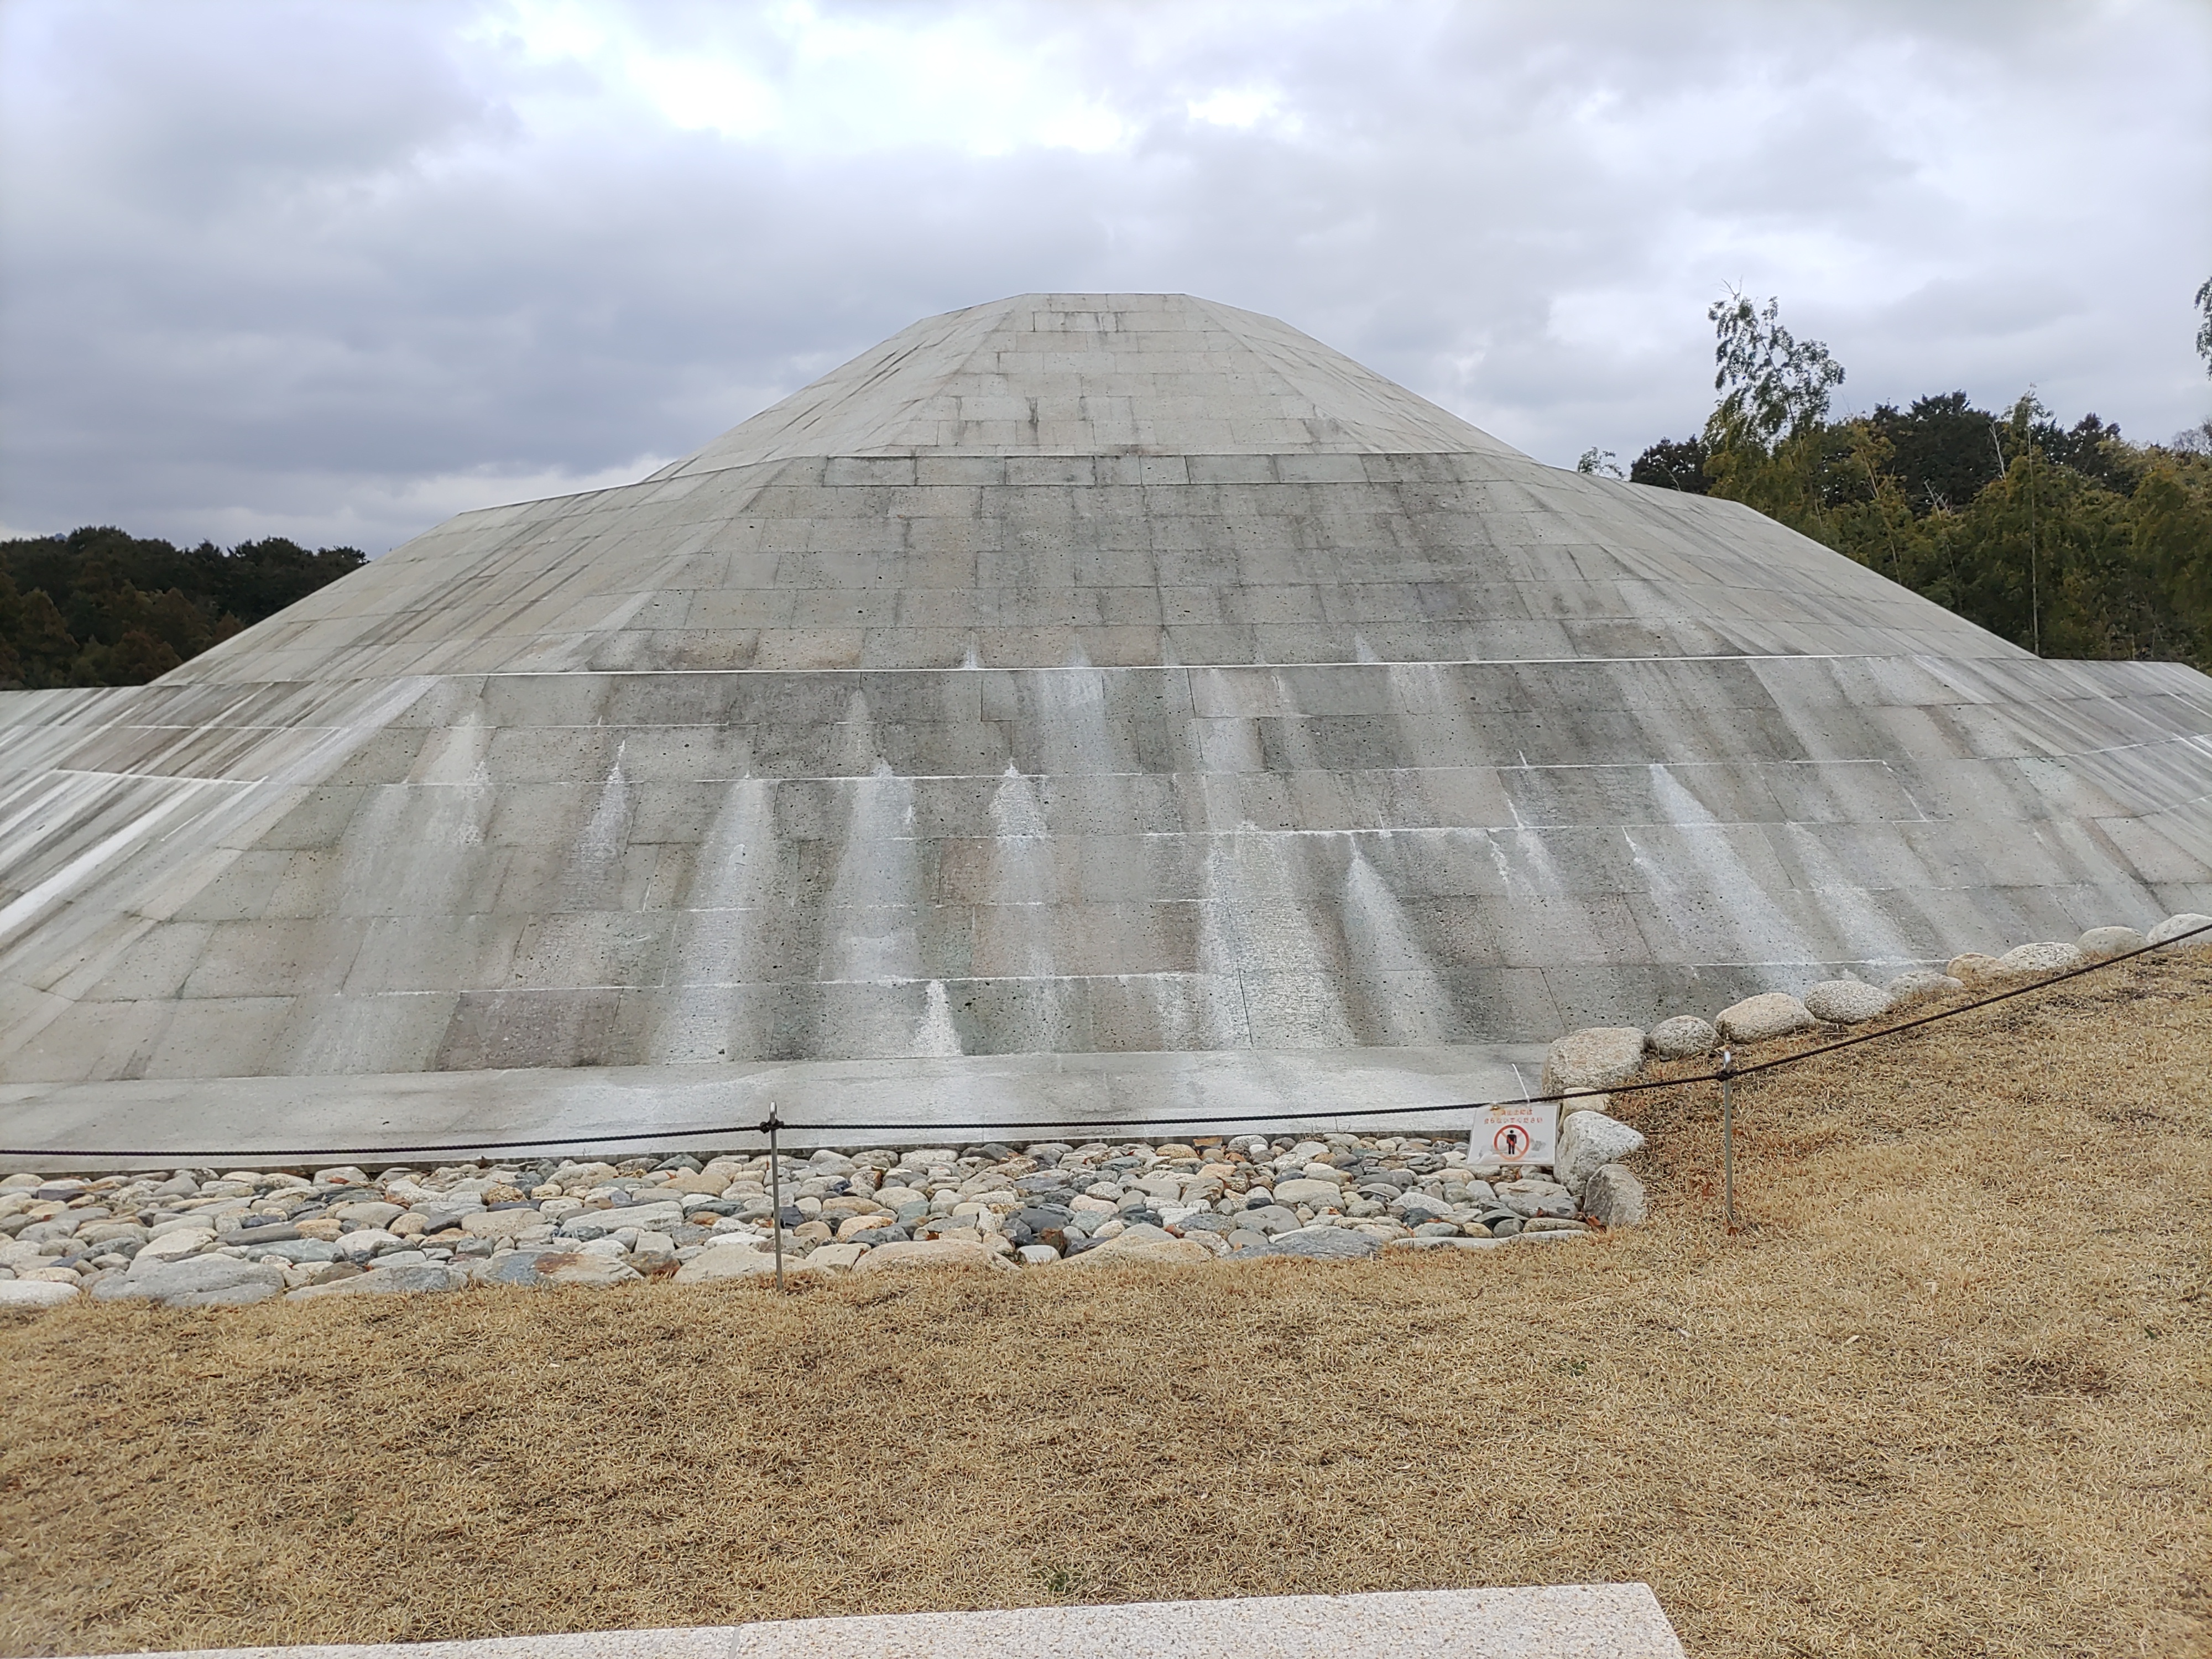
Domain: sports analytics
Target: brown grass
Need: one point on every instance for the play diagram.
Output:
(1946, 1395)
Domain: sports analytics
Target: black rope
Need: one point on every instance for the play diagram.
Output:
(173, 1159)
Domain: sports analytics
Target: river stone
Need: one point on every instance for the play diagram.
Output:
(1588, 1142)
(1440, 1242)
(1919, 984)
(202, 1281)
(182, 1224)
(1169, 1252)
(2174, 926)
(1595, 1057)
(365, 1242)
(1614, 1197)
(386, 1281)
(1971, 966)
(1269, 1218)
(281, 1233)
(934, 1253)
(1763, 1017)
(503, 1224)
(646, 1218)
(1324, 1244)
(1846, 1002)
(726, 1260)
(2048, 957)
(176, 1246)
(35, 1293)
(368, 1211)
(1685, 1036)
(584, 1269)
(1302, 1191)
(1530, 1198)
(2101, 942)
(297, 1251)
(109, 1232)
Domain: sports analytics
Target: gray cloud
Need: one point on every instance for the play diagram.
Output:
(339, 272)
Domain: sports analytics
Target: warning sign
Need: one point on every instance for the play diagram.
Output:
(1521, 1132)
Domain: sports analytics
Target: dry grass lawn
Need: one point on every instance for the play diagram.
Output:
(1946, 1395)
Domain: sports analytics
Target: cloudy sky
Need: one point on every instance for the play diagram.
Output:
(335, 272)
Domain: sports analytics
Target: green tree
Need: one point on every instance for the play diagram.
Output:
(1767, 439)
(1673, 463)
(68, 603)
(2067, 540)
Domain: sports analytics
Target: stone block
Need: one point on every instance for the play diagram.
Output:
(1846, 1002)
(1588, 1142)
(1681, 1037)
(2048, 957)
(2100, 943)
(1919, 984)
(1614, 1197)
(1762, 1019)
(1595, 1058)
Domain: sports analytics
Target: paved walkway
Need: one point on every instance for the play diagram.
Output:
(1563, 1621)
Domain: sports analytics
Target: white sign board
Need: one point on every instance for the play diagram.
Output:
(1515, 1132)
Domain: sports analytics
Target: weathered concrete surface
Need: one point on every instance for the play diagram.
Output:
(1555, 1621)
(1112, 700)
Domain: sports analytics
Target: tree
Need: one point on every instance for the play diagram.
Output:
(2204, 327)
(41, 650)
(1673, 463)
(1940, 450)
(67, 602)
(138, 657)
(1774, 386)
(1597, 463)
(2065, 539)
(1766, 439)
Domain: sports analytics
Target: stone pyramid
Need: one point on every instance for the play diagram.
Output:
(1104, 706)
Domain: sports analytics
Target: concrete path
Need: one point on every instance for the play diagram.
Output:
(1561, 1621)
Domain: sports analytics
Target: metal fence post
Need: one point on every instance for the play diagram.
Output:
(775, 1189)
(1727, 1136)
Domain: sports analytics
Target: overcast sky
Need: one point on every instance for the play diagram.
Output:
(336, 271)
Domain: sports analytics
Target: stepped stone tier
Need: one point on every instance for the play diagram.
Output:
(1117, 706)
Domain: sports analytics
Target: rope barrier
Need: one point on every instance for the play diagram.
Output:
(1726, 1073)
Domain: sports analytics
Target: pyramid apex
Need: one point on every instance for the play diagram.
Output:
(1096, 374)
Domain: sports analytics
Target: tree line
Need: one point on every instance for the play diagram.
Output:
(2069, 540)
(99, 607)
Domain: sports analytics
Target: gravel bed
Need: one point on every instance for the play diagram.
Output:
(197, 1237)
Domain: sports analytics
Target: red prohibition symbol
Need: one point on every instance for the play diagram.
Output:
(1512, 1140)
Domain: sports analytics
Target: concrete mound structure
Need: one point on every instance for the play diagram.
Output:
(1106, 705)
